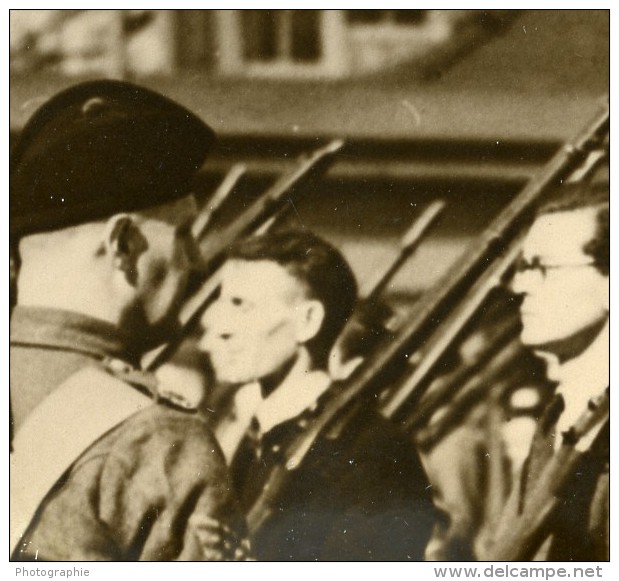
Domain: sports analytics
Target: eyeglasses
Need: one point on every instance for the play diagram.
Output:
(536, 265)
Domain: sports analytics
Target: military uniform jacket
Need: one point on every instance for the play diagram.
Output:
(153, 488)
(359, 496)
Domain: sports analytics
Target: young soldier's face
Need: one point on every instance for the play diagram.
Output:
(256, 325)
(564, 296)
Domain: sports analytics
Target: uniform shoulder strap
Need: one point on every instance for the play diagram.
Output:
(65, 424)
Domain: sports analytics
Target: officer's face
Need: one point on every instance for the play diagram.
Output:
(164, 266)
(564, 295)
(255, 326)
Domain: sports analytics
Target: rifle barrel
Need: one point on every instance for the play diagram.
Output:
(288, 185)
(408, 245)
(451, 328)
(217, 199)
(578, 157)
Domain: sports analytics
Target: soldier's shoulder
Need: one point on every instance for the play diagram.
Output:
(163, 395)
(163, 413)
(151, 431)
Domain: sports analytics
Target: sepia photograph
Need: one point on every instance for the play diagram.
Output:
(310, 285)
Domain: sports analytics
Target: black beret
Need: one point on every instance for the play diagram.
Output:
(99, 148)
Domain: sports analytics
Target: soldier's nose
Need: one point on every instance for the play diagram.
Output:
(211, 336)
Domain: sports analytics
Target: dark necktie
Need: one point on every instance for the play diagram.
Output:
(249, 468)
(543, 444)
(258, 454)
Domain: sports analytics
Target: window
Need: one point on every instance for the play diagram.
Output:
(386, 17)
(326, 43)
(281, 43)
(284, 35)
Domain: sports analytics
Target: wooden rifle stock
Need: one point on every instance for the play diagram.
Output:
(409, 243)
(381, 366)
(446, 333)
(289, 185)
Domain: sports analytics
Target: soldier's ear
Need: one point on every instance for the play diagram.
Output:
(310, 315)
(124, 243)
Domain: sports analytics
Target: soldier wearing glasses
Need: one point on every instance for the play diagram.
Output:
(563, 280)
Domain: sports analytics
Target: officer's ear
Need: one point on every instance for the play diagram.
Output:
(310, 314)
(124, 243)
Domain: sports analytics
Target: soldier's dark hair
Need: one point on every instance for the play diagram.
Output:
(579, 196)
(320, 268)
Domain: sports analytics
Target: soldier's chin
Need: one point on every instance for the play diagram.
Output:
(533, 332)
(231, 376)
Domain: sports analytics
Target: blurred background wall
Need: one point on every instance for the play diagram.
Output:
(465, 105)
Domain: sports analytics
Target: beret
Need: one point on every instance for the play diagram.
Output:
(99, 148)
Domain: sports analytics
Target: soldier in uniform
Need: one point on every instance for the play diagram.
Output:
(104, 466)
(361, 493)
(563, 278)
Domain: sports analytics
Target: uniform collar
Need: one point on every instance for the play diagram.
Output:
(66, 330)
(291, 399)
(298, 392)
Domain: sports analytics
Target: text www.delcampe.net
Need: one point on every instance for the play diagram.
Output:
(525, 572)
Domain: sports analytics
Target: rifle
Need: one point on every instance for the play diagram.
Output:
(308, 168)
(519, 534)
(408, 245)
(473, 391)
(368, 316)
(449, 329)
(381, 367)
(288, 186)
(220, 195)
(444, 388)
